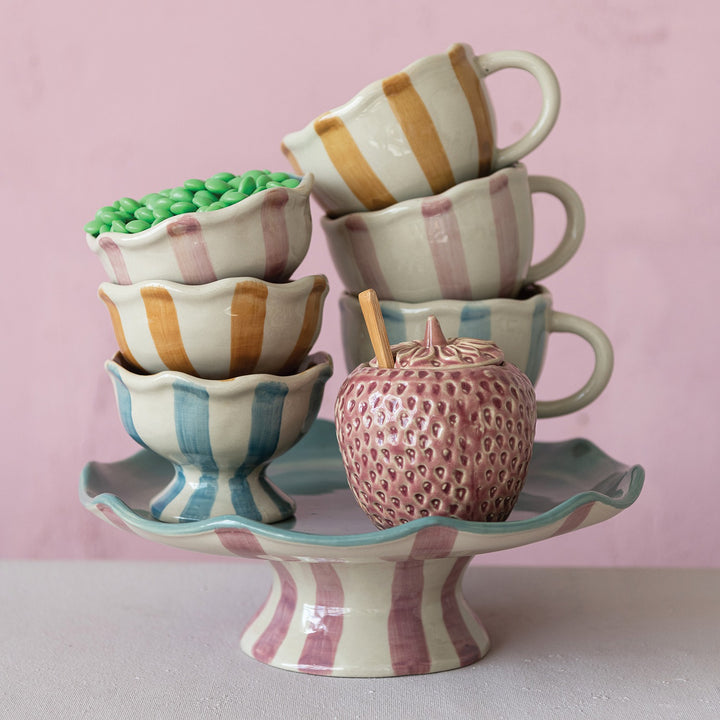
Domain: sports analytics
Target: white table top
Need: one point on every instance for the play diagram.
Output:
(160, 640)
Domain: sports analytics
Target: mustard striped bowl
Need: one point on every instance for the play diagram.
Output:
(416, 133)
(219, 435)
(267, 235)
(219, 330)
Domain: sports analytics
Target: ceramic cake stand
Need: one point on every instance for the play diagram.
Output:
(350, 600)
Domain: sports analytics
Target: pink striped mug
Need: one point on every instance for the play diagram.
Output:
(472, 242)
(418, 132)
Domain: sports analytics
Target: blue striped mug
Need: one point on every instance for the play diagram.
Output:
(220, 435)
(520, 326)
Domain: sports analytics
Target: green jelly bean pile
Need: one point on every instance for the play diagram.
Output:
(221, 190)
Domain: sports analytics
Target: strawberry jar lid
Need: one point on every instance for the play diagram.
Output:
(435, 351)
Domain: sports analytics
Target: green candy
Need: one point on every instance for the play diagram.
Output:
(217, 185)
(203, 198)
(161, 204)
(261, 180)
(161, 214)
(224, 176)
(232, 196)
(128, 204)
(137, 226)
(93, 227)
(149, 199)
(223, 189)
(247, 185)
(181, 207)
(180, 194)
(106, 214)
(193, 184)
(144, 213)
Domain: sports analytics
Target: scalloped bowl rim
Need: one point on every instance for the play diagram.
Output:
(212, 217)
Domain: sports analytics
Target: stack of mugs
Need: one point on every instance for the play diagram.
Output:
(426, 210)
(213, 371)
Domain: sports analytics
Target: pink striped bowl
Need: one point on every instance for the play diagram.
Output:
(216, 331)
(472, 242)
(267, 235)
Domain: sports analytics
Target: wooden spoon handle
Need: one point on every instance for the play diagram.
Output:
(376, 328)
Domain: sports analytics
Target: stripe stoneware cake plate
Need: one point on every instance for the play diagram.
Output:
(349, 600)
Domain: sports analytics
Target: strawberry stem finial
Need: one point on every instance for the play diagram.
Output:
(433, 333)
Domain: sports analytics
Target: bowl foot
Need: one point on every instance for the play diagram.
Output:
(193, 496)
(376, 619)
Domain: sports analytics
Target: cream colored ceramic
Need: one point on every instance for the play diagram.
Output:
(521, 327)
(472, 242)
(219, 435)
(267, 235)
(418, 132)
(348, 600)
(220, 330)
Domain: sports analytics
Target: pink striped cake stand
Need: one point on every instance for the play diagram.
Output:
(352, 601)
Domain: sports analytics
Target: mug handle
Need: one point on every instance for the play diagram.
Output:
(549, 86)
(604, 358)
(574, 229)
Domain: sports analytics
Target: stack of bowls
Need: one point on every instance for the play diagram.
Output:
(214, 370)
(423, 207)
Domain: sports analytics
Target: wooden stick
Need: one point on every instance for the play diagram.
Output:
(376, 328)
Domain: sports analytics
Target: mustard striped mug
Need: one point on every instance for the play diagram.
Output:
(472, 242)
(418, 132)
(219, 330)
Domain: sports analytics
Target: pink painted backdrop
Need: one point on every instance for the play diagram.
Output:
(109, 99)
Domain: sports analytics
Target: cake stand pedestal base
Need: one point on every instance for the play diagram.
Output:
(374, 619)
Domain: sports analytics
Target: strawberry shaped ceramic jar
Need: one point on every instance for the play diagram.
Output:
(448, 430)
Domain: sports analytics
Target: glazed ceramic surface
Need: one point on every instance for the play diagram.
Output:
(350, 600)
(447, 431)
(267, 235)
(520, 326)
(220, 330)
(416, 133)
(472, 242)
(219, 435)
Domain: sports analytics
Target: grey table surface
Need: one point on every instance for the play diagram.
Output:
(104, 639)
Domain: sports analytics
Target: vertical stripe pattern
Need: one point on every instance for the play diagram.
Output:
(118, 329)
(349, 161)
(362, 248)
(247, 318)
(115, 258)
(507, 233)
(310, 327)
(477, 102)
(164, 327)
(188, 244)
(217, 331)
(275, 231)
(420, 131)
(446, 246)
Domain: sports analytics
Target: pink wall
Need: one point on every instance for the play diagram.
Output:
(108, 99)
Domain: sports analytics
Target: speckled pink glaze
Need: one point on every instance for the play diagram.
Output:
(447, 431)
